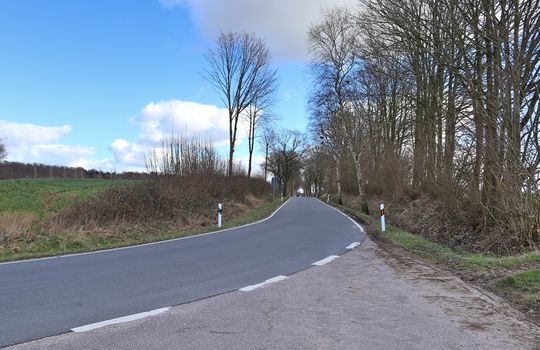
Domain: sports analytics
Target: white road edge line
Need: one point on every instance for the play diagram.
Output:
(352, 245)
(268, 281)
(325, 260)
(147, 244)
(133, 317)
(345, 215)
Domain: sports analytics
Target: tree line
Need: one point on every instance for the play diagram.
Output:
(16, 170)
(435, 97)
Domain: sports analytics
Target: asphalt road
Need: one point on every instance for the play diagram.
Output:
(369, 298)
(41, 298)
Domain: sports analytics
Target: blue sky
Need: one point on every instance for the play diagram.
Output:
(95, 83)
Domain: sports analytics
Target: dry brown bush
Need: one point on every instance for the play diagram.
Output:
(181, 200)
(15, 225)
(188, 179)
(458, 224)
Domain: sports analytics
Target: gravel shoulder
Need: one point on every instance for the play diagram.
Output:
(368, 298)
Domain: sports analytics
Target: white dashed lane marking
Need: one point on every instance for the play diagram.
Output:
(268, 281)
(325, 260)
(133, 317)
(352, 245)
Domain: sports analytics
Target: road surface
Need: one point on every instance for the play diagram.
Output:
(368, 298)
(41, 298)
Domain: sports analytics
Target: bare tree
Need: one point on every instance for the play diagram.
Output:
(285, 159)
(3, 152)
(240, 69)
(266, 142)
(257, 116)
(315, 162)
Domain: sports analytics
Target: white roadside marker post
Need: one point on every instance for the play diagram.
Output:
(327, 198)
(382, 218)
(219, 212)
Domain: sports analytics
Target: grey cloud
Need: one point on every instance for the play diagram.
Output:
(282, 23)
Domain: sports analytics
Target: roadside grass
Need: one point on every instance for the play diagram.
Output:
(516, 278)
(527, 280)
(526, 285)
(49, 244)
(26, 203)
(439, 252)
(43, 197)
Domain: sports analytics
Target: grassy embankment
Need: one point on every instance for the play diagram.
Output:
(29, 226)
(41, 198)
(515, 277)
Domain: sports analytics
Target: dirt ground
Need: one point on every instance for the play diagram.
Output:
(485, 281)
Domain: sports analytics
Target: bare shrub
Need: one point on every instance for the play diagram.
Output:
(514, 218)
(181, 155)
(15, 225)
(188, 179)
(179, 200)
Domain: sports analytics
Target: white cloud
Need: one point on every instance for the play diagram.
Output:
(105, 164)
(31, 143)
(159, 120)
(127, 153)
(256, 162)
(17, 134)
(282, 23)
(53, 154)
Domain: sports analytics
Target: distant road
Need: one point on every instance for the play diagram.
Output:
(40, 298)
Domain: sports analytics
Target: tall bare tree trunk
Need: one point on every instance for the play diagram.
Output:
(267, 146)
(478, 112)
(232, 141)
(360, 180)
(419, 152)
(450, 130)
(338, 179)
(251, 142)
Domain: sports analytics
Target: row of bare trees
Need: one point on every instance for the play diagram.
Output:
(437, 97)
(182, 156)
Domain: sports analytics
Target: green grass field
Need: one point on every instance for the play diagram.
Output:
(42, 197)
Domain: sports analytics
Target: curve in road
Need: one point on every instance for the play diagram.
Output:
(40, 298)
